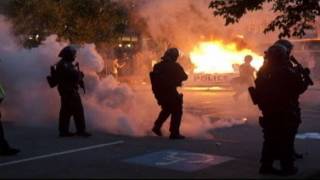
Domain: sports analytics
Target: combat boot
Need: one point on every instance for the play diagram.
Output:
(288, 169)
(297, 155)
(8, 151)
(268, 169)
(157, 131)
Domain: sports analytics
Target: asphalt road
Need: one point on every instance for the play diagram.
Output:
(44, 155)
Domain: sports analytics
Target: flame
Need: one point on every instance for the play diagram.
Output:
(217, 57)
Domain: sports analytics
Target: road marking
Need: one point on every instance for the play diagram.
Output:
(60, 153)
(179, 160)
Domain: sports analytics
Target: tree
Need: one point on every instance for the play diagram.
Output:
(293, 18)
(79, 21)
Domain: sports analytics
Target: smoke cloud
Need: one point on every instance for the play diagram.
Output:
(109, 105)
(185, 22)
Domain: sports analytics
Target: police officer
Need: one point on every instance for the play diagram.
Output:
(5, 149)
(69, 80)
(296, 107)
(277, 86)
(170, 100)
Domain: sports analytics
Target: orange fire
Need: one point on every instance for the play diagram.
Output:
(218, 57)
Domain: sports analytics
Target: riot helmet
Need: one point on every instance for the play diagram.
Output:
(171, 54)
(68, 53)
(285, 43)
(277, 54)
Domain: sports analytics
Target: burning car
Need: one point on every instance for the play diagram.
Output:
(216, 63)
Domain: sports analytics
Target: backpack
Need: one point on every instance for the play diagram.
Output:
(158, 85)
(53, 77)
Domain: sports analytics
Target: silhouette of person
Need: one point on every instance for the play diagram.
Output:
(296, 106)
(277, 85)
(5, 149)
(69, 80)
(115, 67)
(166, 76)
(245, 79)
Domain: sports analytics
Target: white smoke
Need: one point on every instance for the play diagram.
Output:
(90, 59)
(109, 105)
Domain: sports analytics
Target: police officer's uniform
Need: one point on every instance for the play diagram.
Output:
(69, 78)
(169, 98)
(277, 86)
